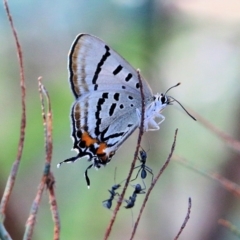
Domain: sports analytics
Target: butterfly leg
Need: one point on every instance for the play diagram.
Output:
(152, 125)
(86, 175)
(158, 115)
(147, 121)
(69, 160)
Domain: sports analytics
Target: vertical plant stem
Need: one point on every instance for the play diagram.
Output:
(153, 184)
(141, 130)
(14, 170)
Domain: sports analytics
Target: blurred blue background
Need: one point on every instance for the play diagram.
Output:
(192, 42)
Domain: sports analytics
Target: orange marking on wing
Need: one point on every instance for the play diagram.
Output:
(88, 139)
(101, 153)
(101, 148)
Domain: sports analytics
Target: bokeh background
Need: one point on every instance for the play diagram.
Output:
(196, 43)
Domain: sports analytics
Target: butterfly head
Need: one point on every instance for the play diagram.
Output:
(165, 99)
(168, 100)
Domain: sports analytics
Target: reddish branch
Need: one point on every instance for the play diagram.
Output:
(54, 210)
(47, 122)
(12, 177)
(14, 170)
(153, 184)
(33, 213)
(186, 219)
(119, 203)
(47, 178)
(229, 226)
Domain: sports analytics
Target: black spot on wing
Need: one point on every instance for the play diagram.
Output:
(129, 76)
(100, 64)
(105, 95)
(116, 96)
(117, 70)
(112, 108)
(97, 115)
(79, 134)
(82, 144)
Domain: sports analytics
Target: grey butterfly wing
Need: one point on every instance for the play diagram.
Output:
(107, 94)
(94, 66)
(112, 116)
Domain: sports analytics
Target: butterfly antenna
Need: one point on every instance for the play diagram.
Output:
(183, 106)
(172, 87)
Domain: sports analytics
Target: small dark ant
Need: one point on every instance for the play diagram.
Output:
(143, 167)
(138, 190)
(108, 203)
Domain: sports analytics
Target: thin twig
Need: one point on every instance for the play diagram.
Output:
(47, 121)
(13, 174)
(153, 184)
(47, 178)
(14, 170)
(54, 210)
(141, 130)
(34, 209)
(226, 138)
(33, 212)
(186, 219)
(50, 181)
(230, 227)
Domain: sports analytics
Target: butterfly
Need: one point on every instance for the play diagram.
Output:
(108, 102)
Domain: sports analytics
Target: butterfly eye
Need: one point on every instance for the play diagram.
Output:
(163, 99)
